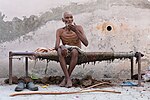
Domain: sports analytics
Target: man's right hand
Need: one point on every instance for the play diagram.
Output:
(63, 50)
(73, 28)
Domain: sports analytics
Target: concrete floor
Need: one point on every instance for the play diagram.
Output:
(127, 93)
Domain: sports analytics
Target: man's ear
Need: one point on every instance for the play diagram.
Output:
(63, 19)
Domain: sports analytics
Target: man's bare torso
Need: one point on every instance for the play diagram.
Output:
(69, 38)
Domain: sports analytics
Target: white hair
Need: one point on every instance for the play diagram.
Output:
(69, 12)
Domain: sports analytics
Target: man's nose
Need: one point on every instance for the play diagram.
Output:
(70, 18)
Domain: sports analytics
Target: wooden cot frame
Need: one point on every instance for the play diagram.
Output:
(83, 58)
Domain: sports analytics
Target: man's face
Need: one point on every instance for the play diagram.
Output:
(68, 19)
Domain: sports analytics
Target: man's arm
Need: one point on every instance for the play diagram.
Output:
(57, 43)
(80, 33)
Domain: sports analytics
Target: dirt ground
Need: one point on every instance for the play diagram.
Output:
(126, 92)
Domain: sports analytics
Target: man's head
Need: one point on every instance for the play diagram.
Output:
(67, 18)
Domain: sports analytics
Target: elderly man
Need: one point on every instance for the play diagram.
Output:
(71, 35)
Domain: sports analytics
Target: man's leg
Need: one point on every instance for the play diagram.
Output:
(64, 67)
(73, 62)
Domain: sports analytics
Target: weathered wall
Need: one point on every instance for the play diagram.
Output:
(110, 25)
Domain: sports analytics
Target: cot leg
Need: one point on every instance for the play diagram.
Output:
(26, 66)
(10, 67)
(131, 67)
(139, 69)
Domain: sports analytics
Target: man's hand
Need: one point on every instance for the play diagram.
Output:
(73, 27)
(63, 50)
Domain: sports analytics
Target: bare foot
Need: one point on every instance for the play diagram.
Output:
(68, 84)
(63, 83)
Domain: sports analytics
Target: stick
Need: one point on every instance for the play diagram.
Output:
(59, 93)
(101, 83)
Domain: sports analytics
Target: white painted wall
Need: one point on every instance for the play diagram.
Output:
(131, 28)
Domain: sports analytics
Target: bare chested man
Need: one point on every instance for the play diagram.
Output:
(71, 35)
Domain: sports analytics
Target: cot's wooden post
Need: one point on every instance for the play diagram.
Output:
(26, 66)
(10, 67)
(139, 69)
(132, 67)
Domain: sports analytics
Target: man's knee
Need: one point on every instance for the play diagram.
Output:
(74, 53)
(61, 53)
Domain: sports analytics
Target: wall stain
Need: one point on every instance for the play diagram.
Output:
(106, 27)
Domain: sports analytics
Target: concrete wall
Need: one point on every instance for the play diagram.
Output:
(27, 25)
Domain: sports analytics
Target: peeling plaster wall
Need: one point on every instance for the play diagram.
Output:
(110, 25)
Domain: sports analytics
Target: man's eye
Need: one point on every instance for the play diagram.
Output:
(68, 17)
